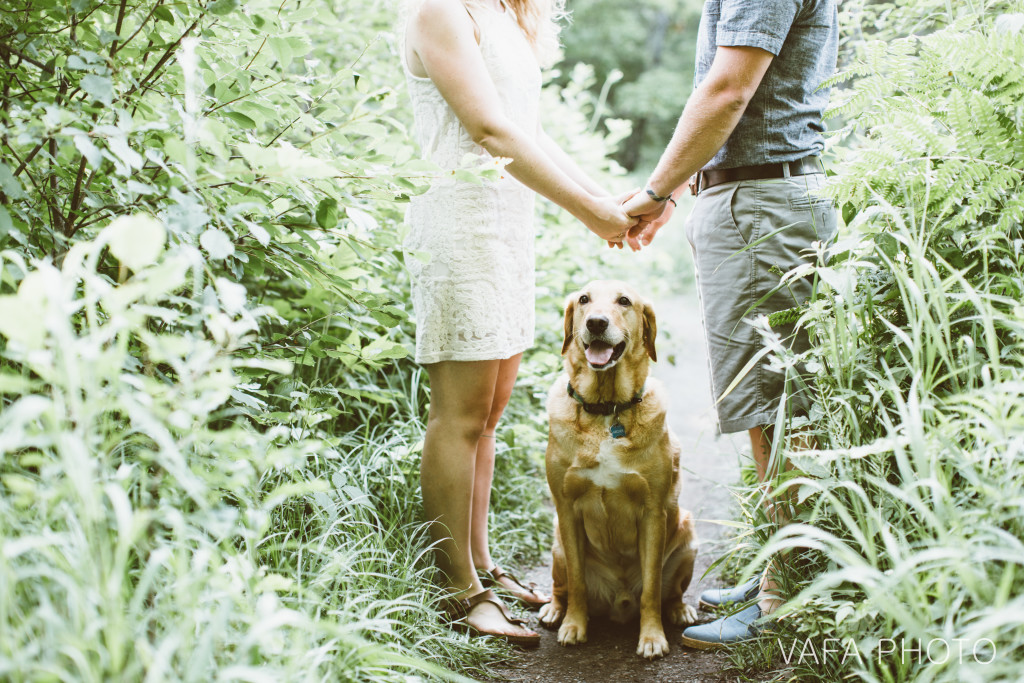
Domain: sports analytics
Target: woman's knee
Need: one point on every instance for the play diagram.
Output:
(467, 424)
(494, 417)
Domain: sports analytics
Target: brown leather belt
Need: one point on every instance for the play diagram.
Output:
(705, 179)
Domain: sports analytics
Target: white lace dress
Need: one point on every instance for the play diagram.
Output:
(470, 247)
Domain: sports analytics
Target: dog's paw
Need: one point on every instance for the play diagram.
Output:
(652, 645)
(572, 633)
(681, 614)
(550, 614)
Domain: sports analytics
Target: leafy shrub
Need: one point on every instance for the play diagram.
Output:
(211, 428)
(910, 532)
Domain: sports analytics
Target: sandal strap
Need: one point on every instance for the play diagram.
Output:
(455, 608)
(497, 572)
(489, 596)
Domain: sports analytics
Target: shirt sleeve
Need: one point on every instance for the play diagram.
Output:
(761, 23)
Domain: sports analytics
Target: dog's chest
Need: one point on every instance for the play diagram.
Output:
(600, 468)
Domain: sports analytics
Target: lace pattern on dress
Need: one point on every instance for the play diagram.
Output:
(470, 247)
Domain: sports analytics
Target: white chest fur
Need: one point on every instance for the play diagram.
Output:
(608, 472)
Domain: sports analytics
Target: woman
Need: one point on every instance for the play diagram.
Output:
(474, 81)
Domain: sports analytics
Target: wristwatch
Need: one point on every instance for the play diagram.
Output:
(655, 196)
(658, 198)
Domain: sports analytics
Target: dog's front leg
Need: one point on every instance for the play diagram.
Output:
(570, 527)
(653, 642)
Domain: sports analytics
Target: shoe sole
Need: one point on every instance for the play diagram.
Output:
(701, 644)
(474, 632)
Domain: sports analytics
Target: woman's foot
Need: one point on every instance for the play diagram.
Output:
(526, 594)
(484, 614)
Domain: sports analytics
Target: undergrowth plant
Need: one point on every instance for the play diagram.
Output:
(908, 550)
(209, 461)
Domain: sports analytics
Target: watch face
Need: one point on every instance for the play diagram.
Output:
(654, 195)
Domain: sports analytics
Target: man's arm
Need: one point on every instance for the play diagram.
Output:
(708, 120)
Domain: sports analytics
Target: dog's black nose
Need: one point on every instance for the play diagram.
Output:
(597, 324)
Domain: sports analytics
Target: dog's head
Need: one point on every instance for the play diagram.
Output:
(607, 321)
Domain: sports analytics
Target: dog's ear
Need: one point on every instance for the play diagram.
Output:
(650, 331)
(570, 316)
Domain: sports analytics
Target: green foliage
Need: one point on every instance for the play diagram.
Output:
(642, 55)
(141, 521)
(210, 460)
(910, 525)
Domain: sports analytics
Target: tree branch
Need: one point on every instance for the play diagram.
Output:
(120, 21)
(142, 24)
(163, 60)
(7, 51)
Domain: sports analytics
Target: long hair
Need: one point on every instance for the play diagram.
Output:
(539, 20)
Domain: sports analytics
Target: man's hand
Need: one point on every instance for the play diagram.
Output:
(652, 216)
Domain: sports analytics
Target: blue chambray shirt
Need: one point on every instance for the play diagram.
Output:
(783, 120)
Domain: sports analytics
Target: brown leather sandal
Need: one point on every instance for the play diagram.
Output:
(458, 609)
(528, 595)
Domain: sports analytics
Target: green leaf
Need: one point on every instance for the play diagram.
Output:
(383, 349)
(163, 13)
(87, 149)
(100, 87)
(849, 212)
(10, 185)
(887, 244)
(282, 49)
(217, 244)
(136, 241)
(363, 220)
(20, 319)
(5, 223)
(241, 119)
(327, 213)
(222, 7)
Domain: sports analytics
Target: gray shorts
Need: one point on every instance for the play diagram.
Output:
(735, 285)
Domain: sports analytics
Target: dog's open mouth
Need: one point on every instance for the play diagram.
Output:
(601, 354)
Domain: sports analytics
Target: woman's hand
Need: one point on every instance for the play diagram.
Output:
(607, 219)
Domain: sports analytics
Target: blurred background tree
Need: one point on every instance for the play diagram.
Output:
(642, 54)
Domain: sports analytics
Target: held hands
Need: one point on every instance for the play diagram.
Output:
(608, 219)
(651, 216)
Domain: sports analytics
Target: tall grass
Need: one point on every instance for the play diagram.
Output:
(209, 464)
(909, 544)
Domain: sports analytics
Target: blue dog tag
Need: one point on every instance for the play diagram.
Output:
(618, 431)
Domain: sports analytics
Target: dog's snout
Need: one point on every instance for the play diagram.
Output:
(597, 324)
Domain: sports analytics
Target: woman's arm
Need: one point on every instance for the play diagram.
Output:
(441, 34)
(567, 165)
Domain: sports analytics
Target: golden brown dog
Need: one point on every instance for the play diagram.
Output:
(622, 545)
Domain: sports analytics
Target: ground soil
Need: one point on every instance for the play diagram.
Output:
(710, 465)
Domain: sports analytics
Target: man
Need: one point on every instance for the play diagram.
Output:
(753, 129)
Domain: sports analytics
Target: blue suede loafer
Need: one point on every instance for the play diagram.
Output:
(735, 628)
(724, 597)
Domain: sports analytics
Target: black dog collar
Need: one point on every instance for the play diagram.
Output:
(608, 408)
(605, 407)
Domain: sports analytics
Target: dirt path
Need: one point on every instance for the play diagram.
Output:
(710, 465)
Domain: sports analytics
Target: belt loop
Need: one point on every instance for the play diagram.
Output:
(786, 172)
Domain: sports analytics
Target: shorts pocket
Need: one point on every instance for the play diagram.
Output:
(810, 201)
(742, 211)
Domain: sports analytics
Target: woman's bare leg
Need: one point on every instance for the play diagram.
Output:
(506, 379)
(461, 395)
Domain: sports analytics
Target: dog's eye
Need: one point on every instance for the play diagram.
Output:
(624, 301)
(584, 299)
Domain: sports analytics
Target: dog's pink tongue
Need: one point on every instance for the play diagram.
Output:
(599, 353)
